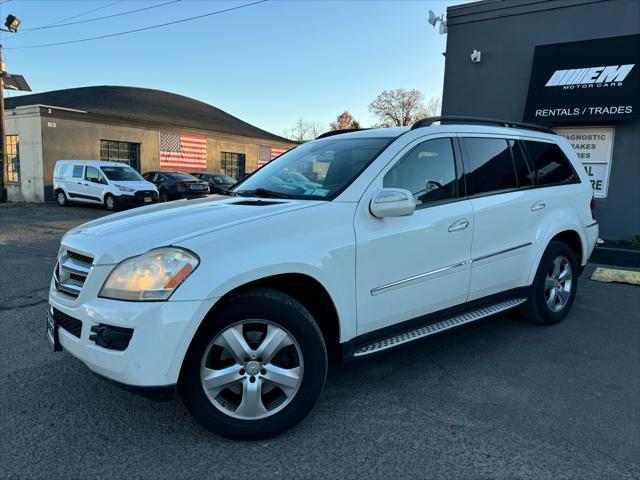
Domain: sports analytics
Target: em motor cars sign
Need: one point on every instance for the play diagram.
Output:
(591, 80)
(594, 147)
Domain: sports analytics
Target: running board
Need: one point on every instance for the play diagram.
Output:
(441, 326)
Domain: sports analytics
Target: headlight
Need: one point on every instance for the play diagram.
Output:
(151, 276)
(125, 189)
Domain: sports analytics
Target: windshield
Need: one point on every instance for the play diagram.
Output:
(325, 167)
(122, 174)
(224, 180)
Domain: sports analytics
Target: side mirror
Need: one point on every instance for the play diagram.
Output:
(392, 202)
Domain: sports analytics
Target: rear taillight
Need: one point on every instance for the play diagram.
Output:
(592, 204)
(181, 184)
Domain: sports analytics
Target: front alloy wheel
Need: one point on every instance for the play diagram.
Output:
(110, 202)
(252, 369)
(255, 367)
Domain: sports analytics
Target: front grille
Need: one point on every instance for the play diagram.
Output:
(79, 257)
(70, 324)
(71, 272)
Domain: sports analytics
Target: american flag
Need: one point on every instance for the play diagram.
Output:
(183, 151)
(266, 153)
(277, 151)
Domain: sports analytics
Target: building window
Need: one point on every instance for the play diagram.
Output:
(233, 164)
(13, 158)
(123, 152)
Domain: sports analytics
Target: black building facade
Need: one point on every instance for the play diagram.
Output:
(573, 65)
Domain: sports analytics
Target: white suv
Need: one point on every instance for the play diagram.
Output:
(239, 302)
(111, 184)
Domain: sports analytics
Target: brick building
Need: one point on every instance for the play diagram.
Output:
(121, 124)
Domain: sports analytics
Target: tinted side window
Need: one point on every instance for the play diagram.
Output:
(489, 165)
(524, 172)
(77, 171)
(428, 171)
(549, 162)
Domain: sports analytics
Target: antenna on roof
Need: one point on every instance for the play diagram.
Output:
(433, 20)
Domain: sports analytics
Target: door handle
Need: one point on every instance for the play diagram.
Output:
(459, 225)
(538, 206)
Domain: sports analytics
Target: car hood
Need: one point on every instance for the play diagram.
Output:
(115, 237)
(136, 185)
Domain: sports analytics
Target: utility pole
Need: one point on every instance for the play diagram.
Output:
(3, 141)
(14, 82)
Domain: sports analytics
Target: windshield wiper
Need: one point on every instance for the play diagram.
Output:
(263, 193)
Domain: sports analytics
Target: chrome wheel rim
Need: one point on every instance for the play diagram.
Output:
(558, 283)
(61, 198)
(110, 203)
(252, 369)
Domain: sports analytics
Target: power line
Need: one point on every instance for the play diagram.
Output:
(23, 31)
(58, 25)
(139, 29)
(75, 16)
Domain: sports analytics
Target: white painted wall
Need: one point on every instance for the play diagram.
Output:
(27, 123)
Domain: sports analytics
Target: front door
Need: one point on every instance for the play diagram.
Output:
(414, 265)
(93, 183)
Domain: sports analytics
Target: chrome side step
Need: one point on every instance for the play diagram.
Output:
(438, 327)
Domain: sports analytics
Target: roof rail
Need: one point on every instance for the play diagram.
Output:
(425, 122)
(331, 133)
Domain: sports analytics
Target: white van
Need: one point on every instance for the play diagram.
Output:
(109, 183)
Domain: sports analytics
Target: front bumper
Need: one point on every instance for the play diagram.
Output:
(138, 198)
(162, 332)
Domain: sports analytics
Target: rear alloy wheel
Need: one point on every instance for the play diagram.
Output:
(109, 202)
(61, 198)
(554, 286)
(256, 367)
(164, 196)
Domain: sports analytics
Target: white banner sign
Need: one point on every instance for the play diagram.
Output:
(594, 146)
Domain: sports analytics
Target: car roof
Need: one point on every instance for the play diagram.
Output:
(93, 163)
(457, 128)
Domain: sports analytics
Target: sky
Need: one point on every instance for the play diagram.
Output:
(268, 64)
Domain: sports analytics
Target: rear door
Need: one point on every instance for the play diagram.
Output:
(73, 183)
(410, 266)
(499, 187)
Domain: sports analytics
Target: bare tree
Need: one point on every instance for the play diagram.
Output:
(434, 107)
(304, 131)
(344, 121)
(399, 107)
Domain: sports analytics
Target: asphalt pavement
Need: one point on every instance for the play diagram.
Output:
(501, 398)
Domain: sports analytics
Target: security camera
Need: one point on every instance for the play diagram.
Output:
(476, 56)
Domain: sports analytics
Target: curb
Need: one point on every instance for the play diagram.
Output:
(615, 275)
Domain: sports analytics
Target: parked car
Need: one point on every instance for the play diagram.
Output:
(239, 302)
(175, 185)
(297, 179)
(111, 184)
(218, 182)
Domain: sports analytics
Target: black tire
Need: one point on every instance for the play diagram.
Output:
(61, 198)
(537, 309)
(110, 202)
(285, 312)
(163, 196)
